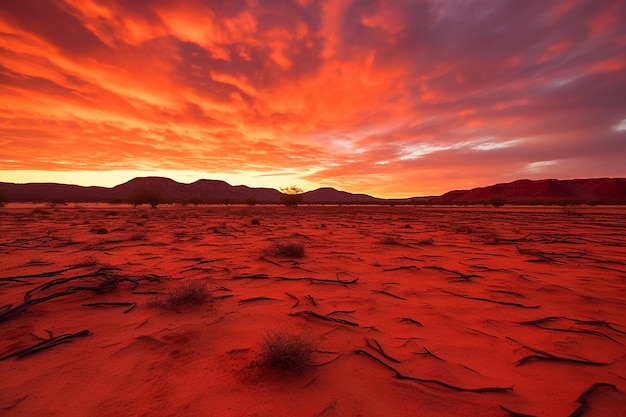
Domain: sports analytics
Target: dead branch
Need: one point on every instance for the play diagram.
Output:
(373, 343)
(506, 303)
(322, 317)
(48, 343)
(410, 320)
(515, 413)
(432, 381)
(293, 297)
(389, 294)
(131, 305)
(249, 300)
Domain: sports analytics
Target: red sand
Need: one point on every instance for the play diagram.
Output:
(450, 269)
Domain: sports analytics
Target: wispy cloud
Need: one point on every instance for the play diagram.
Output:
(389, 98)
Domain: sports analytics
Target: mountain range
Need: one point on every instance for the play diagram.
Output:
(549, 191)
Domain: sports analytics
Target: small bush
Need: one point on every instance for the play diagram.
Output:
(256, 222)
(390, 241)
(138, 236)
(188, 294)
(99, 230)
(286, 352)
(290, 250)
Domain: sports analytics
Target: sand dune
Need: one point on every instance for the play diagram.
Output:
(411, 310)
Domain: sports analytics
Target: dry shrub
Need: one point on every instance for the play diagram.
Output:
(390, 241)
(427, 242)
(289, 250)
(286, 352)
(138, 236)
(188, 294)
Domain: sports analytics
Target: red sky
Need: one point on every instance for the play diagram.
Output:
(392, 98)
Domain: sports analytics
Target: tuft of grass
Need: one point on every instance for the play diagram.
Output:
(289, 250)
(388, 240)
(99, 230)
(256, 222)
(138, 236)
(427, 242)
(286, 352)
(188, 294)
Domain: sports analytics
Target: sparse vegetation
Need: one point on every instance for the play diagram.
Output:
(289, 250)
(138, 236)
(3, 198)
(256, 222)
(145, 196)
(389, 240)
(497, 201)
(188, 294)
(286, 352)
(291, 196)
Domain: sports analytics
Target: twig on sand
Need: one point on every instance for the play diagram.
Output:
(131, 305)
(413, 267)
(428, 352)
(539, 323)
(582, 398)
(263, 258)
(432, 381)
(249, 300)
(542, 355)
(515, 413)
(311, 299)
(323, 317)
(373, 343)
(461, 275)
(389, 294)
(506, 303)
(48, 343)
(251, 276)
(320, 280)
(410, 320)
(293, 297)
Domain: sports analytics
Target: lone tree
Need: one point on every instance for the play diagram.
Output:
(145, 196)
(291, 196)
(4, 198)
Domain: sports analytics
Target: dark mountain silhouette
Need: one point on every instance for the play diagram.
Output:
(332, 196)
(170, 191)
(551, 191)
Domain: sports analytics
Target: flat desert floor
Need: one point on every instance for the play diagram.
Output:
(411, 311)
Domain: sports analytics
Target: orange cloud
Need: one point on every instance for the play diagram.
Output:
(387, 98)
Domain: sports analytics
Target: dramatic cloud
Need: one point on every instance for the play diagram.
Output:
(396, 98)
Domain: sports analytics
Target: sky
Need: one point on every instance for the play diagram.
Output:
(390, 98)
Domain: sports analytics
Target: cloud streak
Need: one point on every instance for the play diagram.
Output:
(389, 98)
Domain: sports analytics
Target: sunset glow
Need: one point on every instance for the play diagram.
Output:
(392, 99)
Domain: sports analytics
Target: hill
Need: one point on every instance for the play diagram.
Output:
(550, 191)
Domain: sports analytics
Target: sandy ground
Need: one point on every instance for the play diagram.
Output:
(435, 311)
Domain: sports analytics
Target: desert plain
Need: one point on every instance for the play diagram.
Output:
(411, 311)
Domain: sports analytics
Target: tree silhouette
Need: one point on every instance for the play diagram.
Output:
(4, 198)
(291, 196)
(145, 196)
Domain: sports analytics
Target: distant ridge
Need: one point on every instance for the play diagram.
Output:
(549, 191)
(208, 191)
